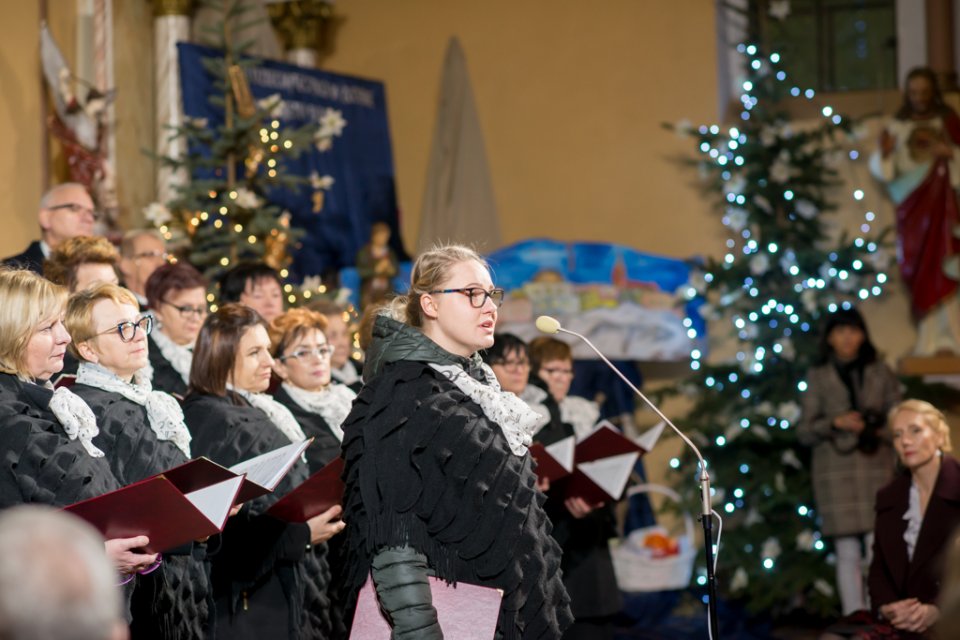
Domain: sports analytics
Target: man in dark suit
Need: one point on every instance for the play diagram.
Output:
(66, 211)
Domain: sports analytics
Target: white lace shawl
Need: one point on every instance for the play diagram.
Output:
(163, 411)
(347, 374)
(279, 415)
(180, 357)
(516, 420)
(77, 419)
(333, 403)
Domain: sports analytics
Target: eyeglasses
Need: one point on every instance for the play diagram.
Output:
(128, 330)
(478, 297)
(322, 353)
(75, 208)
(186, 310)
(513, 365)
(156, 255)
(557, 371)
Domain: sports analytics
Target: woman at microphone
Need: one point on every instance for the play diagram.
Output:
(270, 578)
(438, 477)
(142, 433)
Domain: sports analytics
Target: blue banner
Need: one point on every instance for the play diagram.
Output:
(360, 160)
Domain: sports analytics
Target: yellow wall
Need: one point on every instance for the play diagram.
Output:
(570, 95)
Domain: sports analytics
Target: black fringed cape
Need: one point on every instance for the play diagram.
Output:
(426, 468)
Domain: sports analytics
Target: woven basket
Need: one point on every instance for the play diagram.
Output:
(636, 568)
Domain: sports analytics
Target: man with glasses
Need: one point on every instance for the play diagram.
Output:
(66, 211)
(142, 251)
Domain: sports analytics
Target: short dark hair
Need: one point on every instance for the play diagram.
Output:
(234, 282)
(217, 346)
(504, 344)
(849, 317)
(178, 276)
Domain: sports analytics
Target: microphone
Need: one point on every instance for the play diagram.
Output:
(548, 324)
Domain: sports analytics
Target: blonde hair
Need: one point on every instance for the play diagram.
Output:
(61, 267)
(291, 326)
(932, 416)
(79, 316)
(430, 271)
(27, 300)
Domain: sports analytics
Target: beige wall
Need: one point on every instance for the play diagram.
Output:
(571, 97)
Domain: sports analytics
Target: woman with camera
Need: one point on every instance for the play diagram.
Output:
(849, 394)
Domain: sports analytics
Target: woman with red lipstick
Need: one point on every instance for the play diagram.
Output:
(917, 517)
(269, 577)
(301, 358)
(845, 408)
(438, 477)
(47, 452)
(142, 433)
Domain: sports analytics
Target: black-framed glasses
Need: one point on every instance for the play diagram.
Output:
(478, 297)
(322, 353)
(557, 371)
(76, 208)
(186, 310)
(128, 330)
(512, 365)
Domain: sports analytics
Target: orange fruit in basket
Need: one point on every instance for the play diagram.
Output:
(661, 545)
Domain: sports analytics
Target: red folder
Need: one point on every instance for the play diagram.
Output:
(464, 611)
(160, 510)
(201, 472)
(315, 495)
(549, 465)
(604, 461)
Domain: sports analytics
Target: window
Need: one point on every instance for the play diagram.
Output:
(835, 45)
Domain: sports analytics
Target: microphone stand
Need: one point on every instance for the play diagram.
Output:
(706, 512)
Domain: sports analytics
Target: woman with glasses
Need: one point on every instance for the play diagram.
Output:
(438, 477)
(176, 294)
(47, 450)
(270, 577)
(301, 359)
(142, 433)
(583, 530)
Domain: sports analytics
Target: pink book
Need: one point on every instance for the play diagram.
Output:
(464, 611)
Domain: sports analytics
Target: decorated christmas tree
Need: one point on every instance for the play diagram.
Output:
(223, 212)
(788, 262)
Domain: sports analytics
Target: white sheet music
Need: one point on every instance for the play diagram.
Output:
(215, 501)
(649, 439)
(267, 469)
(611, 474)
(562, 451)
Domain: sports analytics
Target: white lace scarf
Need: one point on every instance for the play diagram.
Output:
(347, 374)
(333, 404)
(279, 415)
(77, 419)
(163, 411)
(180, 357)
(516, 420)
